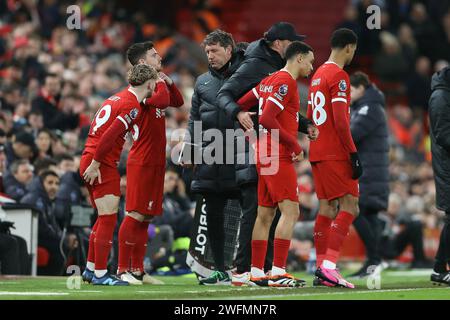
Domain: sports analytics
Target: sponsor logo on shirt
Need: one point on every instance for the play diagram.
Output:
(283, 90)
(315, 82)
(342, 94)
(278, 96)
(127, 117)
(160, 113)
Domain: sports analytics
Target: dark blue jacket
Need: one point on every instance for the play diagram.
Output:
(49, 228)
(14, 188)
(370, 133)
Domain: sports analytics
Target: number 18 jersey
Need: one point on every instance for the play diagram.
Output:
(123, 106)
(329, 84)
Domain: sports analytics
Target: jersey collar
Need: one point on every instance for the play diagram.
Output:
(285, 70)
(331, 62)
(134, 93)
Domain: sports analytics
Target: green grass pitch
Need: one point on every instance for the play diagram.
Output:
(394, 285)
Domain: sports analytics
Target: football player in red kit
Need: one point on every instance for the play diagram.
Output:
(145, 169)
(333, 156)
(99, 161)
(279, 104)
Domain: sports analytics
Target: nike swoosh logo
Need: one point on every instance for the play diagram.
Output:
(207, 82)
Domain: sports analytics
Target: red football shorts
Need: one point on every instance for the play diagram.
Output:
(278, 186)
(333, 179)
(110, 179)
(145, 187)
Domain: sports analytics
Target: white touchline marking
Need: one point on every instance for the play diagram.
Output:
(330, 293)
(11, 293)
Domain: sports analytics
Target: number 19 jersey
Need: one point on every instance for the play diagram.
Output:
(329, 84)
(123, 106)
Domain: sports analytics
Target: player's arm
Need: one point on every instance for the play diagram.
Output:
(306, 125)
(272, 108)
(247, 101)
(175, 97)
(242, 80)
(106, 143)
(339, 102)
(160, 98)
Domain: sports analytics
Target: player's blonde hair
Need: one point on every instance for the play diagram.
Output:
(140, 74)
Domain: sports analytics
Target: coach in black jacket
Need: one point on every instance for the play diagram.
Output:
(213, 178)
(369, 129)
(439, 111)
(262, 58)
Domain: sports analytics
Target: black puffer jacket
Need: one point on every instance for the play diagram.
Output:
(260, 61)
(215, 177)
(370, 133)
(439, 111)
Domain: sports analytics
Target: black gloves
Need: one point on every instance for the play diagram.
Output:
(356, 165)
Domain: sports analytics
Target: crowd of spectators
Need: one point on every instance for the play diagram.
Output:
(52, 81)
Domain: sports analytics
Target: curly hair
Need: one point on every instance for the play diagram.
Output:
(141, 73)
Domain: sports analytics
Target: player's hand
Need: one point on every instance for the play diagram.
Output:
(313, 132)
(299, 157)
(245, 119)
(92, 172)
(356, 166)
(166, 78)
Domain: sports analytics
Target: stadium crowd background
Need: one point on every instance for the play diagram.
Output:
(52, 81)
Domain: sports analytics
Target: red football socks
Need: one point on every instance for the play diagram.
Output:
(140, 248)
(103, 239)
(259, 248)
(127, 241)
(338, 231)
(321, 234)
(280, 252)
(91, 249)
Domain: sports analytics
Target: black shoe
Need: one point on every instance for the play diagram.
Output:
(440, 278)
(367, 269)
(317, 282)
(422, 264)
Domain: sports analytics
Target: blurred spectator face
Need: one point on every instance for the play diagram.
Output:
(51, 186)
(423, 66)
(170, 181)
(418, 13)
(405, 34)
(52, 85)
(36, 121)
(24, 173)
(153, 59)
(356, 93)
(394, 204)
(22, 151)
(66, 166)
(58, 147)
(218, 55)
(351, 14)
(22, 109)
(43, 142)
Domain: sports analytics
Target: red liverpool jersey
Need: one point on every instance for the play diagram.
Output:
(123, 106)
(280, 89)
(329, 108)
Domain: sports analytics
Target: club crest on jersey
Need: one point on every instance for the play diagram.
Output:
(283, 90)
(134, 113)
(342, 85)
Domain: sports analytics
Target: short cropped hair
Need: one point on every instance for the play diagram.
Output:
(138, 51)
(295, 48)
(343, 37)
(224, 39)
(359, 78)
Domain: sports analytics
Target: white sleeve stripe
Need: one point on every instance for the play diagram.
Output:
(276, 102)
(309, 102)
(123, 121)
(339, 99)
(255, 93)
